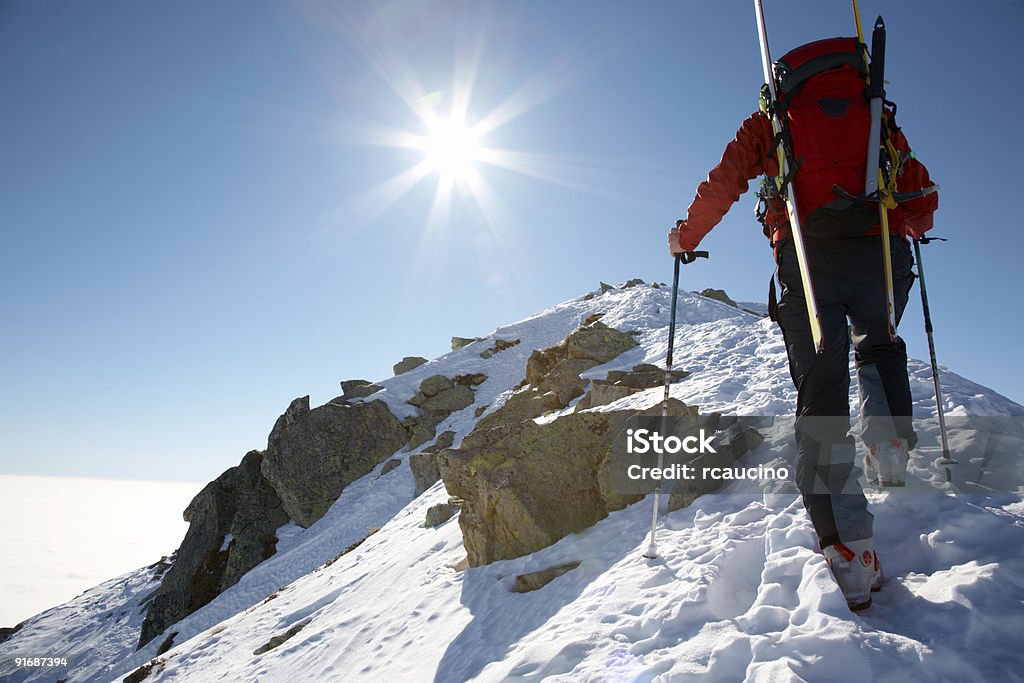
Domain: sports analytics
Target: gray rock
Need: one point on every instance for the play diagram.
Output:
(534, 580)
(459, 342)
(423, 429)
(527, 485)
(449, 400)
(434, 385)
(424, 470)
(718, 295)
(389, 466)
(471, 380)
(602, 393)
(605, 287)
(439, 514)
(279, 640)
(240, 502)
(357, 388)
(310, 460)
(598, 342)
(499, 346)
(635, 282)
(408, 363)
(564, 379)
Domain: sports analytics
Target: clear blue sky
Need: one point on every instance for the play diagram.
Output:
(197, 226)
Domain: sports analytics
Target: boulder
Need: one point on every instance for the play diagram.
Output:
(357, 388)
(603, 392)
(527, 485)
(534, 580)
(232, 525)
(389, 466)
(473, 379)
(439, 514)
(312, 457)
(635, 282)
(459, 342)
(434, 385)
(718, 295)
(499, 346)
(565, 381)
(598, 342)
(408, 363)
(449, 400)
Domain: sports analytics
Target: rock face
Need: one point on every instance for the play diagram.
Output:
(408, 363)
(232, 524)
(313, 454)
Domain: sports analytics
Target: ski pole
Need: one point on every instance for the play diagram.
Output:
(946, 461)
(684, 258)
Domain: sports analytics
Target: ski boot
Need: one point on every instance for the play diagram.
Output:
(857, 571)
(885, 464)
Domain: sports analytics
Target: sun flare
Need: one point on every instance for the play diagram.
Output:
(452, 148)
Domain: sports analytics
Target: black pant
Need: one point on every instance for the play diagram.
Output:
(849, 283)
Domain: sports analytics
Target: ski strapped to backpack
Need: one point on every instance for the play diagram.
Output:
(781, 185)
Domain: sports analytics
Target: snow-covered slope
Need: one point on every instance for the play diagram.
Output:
(738, 594)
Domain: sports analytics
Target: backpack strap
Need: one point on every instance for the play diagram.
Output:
(791, 80)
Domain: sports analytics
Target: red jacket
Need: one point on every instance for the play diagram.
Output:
(749, 156)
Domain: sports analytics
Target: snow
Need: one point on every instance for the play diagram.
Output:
(738, 592)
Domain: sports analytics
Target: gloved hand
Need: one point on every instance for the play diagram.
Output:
(680, 240)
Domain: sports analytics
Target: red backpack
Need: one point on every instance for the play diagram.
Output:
(823, 104)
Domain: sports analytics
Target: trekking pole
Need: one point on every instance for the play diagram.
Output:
(946, 461)
(684, 258)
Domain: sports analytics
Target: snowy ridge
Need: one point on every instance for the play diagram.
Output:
(739, 592)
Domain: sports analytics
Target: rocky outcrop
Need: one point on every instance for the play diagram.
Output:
(459, 342)
(313, 454)
(621, 383)
(499, 346)
(408, 363)
(232, 524)
(358, 388)
(719, 295)
(527, 485)
(438, 398)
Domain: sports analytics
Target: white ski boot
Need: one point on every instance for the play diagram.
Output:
(857, 570)
(885, 464)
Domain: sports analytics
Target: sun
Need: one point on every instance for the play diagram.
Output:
(452, 148)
